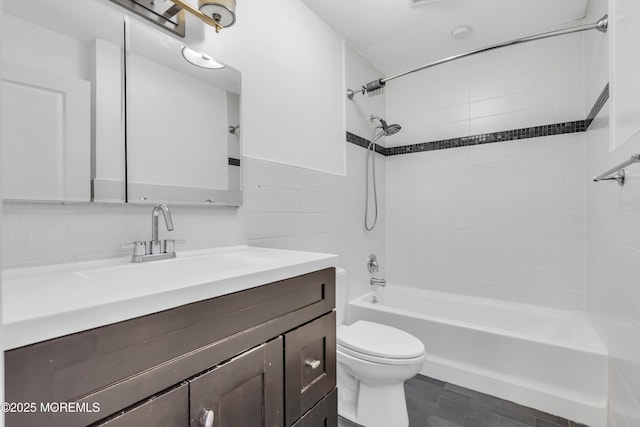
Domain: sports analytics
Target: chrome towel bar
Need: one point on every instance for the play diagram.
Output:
(618, 170)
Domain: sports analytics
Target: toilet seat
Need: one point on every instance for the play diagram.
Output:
(379, 343)
(376, 360)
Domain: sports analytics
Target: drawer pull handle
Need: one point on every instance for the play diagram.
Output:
(207, 418)
(312, 363)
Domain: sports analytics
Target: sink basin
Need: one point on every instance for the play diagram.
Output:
(183, 271)
(67, 298)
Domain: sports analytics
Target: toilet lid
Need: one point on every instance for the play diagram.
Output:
(379, 340)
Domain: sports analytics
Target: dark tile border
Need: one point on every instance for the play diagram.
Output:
(234, 162)
(602, 99)
(357, 140)
(364, 143)
(488, 138)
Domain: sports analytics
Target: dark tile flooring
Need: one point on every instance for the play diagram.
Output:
(433, 403)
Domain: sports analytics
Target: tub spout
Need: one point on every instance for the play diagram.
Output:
(378, 282)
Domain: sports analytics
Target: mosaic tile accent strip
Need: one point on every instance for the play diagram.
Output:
(602, 99)
(234, 162)
(364, 143)
(488, 138)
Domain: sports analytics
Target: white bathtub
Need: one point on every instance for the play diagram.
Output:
(544, 358)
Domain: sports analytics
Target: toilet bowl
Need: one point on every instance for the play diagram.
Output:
(374, 361)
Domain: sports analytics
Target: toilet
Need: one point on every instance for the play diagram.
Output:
(374, 361)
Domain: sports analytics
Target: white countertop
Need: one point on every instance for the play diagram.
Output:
(40, 303)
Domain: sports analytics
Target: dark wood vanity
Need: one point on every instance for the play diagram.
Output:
(264, 356)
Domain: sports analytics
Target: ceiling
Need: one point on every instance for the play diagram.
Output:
(397, 35)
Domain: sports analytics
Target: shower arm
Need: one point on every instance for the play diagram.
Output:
(601, 25)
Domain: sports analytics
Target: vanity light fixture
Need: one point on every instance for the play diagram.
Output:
(200, 59)
(217, 13)
(169, 13)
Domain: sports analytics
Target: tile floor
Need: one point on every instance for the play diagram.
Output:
(433, 403)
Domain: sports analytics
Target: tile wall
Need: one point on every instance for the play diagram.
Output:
(532, 84)
(502, 220)
(613, 241)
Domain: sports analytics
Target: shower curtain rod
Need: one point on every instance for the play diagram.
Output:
(601, 25)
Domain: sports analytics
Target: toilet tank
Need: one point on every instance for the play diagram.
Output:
(341, 294)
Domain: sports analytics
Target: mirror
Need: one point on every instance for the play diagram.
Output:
(183, 134)
(54, 54)
(65, 108)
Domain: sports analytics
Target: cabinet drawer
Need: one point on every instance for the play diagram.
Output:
(324, 414)
(170, 409)
(310, 365)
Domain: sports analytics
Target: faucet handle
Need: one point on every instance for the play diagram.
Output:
(155, 247)
(139, 247)
(169, 245)
(372, 264)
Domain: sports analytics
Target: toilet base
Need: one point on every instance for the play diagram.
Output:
(382, 405)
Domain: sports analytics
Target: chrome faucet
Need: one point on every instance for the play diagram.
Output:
(156, 245)
(378, 282)
(374, 267)
(155, 249)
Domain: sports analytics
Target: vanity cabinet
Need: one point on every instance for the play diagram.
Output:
(169, 409)
(264, 356)
(246, 391)
(310, 365)
(324, 414)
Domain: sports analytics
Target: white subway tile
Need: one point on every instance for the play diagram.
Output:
(570, 300)
(570, 280)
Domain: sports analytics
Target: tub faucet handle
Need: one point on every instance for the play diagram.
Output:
(372, 264)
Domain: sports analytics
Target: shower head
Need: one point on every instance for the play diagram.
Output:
(391, 129)
(386, 129)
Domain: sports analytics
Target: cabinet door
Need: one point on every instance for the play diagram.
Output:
(324, 414)
(46, 134)
(170, 409)
(310, 366)
(247, 391)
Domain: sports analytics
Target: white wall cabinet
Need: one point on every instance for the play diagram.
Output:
(45, 133)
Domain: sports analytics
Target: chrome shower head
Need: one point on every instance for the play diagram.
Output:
(387, 130)
(391, 129)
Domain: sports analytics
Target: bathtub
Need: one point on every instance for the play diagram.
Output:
(548, 359)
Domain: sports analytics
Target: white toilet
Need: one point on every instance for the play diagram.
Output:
(374, 361)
